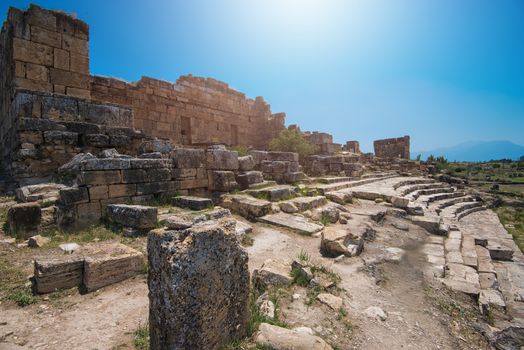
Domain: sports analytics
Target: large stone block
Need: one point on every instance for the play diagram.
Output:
(32, 52)
(194, 203)
(218, 159)
(24, 219)
(189, 158)
(110, 263)
(106, 164)
(136, 216)
(72, 195)
(61, 137)
(198, 287)
(100, 177)
(222, 181)
(249, 178)
(282, 156)
(55, 274)
(246, 163)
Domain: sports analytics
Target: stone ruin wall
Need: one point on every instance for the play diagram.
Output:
(51, 108)
(392, 148)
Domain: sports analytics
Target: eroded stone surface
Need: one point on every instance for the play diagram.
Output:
(198, 287)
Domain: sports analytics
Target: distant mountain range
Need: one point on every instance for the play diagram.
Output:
(476, 151)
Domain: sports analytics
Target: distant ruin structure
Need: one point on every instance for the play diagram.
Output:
(392, 148)
(352, 146)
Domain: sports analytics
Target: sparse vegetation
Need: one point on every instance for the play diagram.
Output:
(242, 150)
(513, 221)
(141, 340)
(90, 234)
(22, 296)
(293, 141)
(247, 240)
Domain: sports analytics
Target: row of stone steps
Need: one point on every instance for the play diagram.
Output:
(405, 190)
(324, 188)
(433, 191)
(449, 202)
(413, 182)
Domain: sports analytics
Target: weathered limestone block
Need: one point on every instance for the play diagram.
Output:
(97, 140)
(74, 166)
(37, 124)
(110, 263)
(193, 203)
(63, 273)
(272, 273)
(217, 159)
(336, 241)
(246, 206)
(249, 178)
(274, 193)
(60, 137)
(137, 163)
(156, 145)
(280, 338)
(106, 164)
(40, 192)
(71, 195)
(198, 287)
(136, 216)
(258, 156)
(222, 181)
(189, 158)
(246, 163)
(24, 219)
(100, 177)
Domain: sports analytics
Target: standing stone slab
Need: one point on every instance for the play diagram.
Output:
(198, 287)
(24, 219)
(136, 216)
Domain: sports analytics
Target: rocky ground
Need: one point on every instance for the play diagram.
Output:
(395, 293)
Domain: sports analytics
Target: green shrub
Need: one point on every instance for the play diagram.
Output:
(141, 341)
(22, 297)
(293, 141)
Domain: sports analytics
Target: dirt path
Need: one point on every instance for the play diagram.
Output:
(102, 320)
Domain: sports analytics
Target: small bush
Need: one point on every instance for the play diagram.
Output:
(22, 297)
(293, 141)
(141, 341)
(242, 150)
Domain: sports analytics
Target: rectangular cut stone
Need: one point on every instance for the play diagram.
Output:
(98, 192)
(192, 184)
(111, 263)
(137, 216)
(79, 63)
(100, 177)
(61, 59)
(68, 78)
(106, 164)
(189, 158)
(184, 173)
(134, 176)
(246, 206)
(222, 181)
(194, 203)
(274, 193)
(28, 51)
(47, 37)
(63, 273)
(217, 159)
(153, 187)
(76, 45)
(122, 190)
(292, 222)
(74, 195)
(88, 213)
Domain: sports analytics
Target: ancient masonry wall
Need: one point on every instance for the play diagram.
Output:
(392, 148)
(51, 108)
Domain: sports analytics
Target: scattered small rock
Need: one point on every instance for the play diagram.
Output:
(376, 312)
(334, 302)
(37, 241)
(69, 248)
(267, 309)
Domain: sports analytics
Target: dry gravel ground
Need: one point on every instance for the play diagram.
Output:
(418, 316)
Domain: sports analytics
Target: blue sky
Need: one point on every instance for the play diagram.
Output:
(442, 71)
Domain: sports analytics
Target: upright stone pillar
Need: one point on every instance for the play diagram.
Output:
(198, 287)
